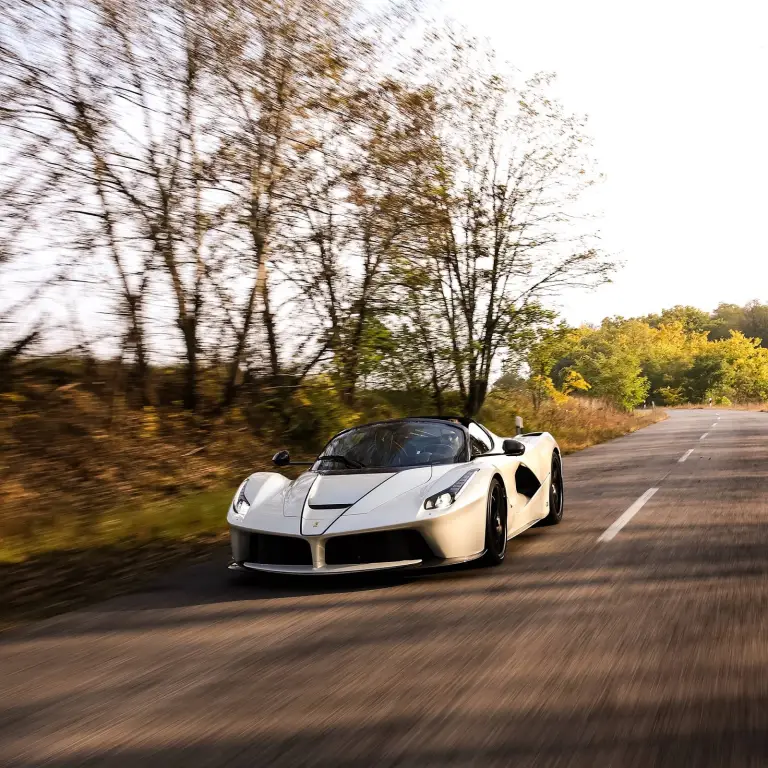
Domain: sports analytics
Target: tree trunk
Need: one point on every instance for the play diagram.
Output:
(230, 386)
(476, 393)
(349, 384)
(138, 388)
(189, 329)
(437, 394)
(269, 322)
(350, 363)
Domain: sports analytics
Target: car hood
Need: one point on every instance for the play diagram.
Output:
(344, 490)
(355, 494)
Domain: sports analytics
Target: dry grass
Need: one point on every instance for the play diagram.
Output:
(576, 424)
(98, 498)
(76, 472)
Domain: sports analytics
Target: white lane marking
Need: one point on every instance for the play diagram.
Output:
(704, 435)
(624, 518)
(684, 456)
(713, 426)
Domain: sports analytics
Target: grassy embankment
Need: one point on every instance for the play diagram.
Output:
(75, 477)
(98, 497)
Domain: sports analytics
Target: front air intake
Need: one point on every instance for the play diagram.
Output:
(378, 547)
(269, 549)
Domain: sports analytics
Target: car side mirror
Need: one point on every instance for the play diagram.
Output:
(513, 447)
(282, 459)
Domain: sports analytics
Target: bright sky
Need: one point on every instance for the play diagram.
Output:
(677, 94)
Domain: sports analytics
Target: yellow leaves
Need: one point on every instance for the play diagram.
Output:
(150, 422)
(543, 388)
(573, 381)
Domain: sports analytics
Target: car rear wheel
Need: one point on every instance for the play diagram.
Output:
(556, 497)
(496, 524)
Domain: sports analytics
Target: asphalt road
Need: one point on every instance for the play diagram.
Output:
(646, 649)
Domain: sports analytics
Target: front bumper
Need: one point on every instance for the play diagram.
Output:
(360, 552)
(351, 553)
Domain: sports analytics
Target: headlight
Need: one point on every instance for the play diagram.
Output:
(241, 504)
(448, 496)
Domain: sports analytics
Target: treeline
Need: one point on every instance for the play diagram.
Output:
(682, 355)
(280, 194)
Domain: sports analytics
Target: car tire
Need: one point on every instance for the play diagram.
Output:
(495, 524)
(556, 493)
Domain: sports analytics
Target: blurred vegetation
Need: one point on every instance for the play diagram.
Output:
(82, 468)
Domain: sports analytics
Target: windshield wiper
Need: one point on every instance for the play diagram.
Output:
(349, 462)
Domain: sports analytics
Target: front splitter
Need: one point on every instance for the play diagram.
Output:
(324, 570)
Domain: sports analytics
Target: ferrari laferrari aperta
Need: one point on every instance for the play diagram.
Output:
(406, 493)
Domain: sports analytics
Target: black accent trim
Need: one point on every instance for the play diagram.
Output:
(269, 548)
(463, 420)
(331, 506)
(368, 470)
(377, 547)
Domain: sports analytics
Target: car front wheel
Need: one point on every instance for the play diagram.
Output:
(556, 497)
(496, 524)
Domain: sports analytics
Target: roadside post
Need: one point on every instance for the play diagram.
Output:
(518, 425)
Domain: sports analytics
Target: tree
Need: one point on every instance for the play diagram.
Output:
(750, 320)
(609, 358)
(280, 67)
(496, 209)
(355, 218)
(744, 368)
(692, 319)
(547, 357)
(111, 99)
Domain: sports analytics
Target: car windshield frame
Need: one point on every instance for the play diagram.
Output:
(337, 467)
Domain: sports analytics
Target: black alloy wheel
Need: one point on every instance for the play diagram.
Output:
(496, 524)
(556, 495)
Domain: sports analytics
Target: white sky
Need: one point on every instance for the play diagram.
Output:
(677, 95)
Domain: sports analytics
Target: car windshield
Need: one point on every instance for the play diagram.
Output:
(394, 444)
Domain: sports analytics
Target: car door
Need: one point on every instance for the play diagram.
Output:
(482, 443)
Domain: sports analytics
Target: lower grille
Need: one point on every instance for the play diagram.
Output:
(269, 549)
(379, 547)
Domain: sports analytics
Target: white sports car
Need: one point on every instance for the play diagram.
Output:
(407, 493)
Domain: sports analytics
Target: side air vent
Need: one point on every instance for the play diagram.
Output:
(526, 482)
